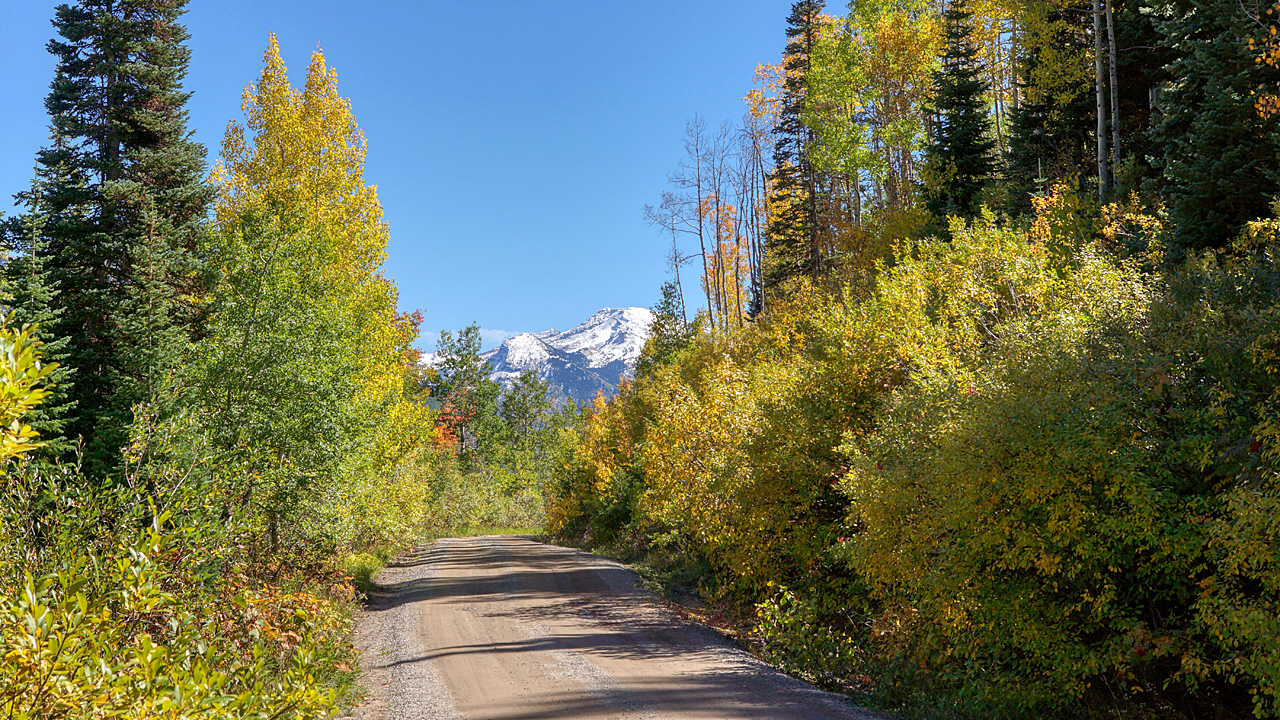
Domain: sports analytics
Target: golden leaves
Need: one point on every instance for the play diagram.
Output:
(295, 169)
(1266, 100)
(764, 99)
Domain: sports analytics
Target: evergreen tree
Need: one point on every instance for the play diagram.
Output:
(1220, 159)
(469, 395)
(30, 297)
(668, 334)
(1051, 130)
(1142, 63)
(525, 409)
(120, 212)
(960, 154)
(792, 244)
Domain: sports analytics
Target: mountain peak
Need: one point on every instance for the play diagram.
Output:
(589, 358)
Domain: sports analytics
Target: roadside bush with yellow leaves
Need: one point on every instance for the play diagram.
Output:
(22, 377)
(1028, 473)
(1053, 509)
(596, 481)
(99, 620)
(103, 639)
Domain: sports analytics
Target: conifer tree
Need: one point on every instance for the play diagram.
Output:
(120, 212)
(668, 334)
(792, 245)
(1220, 159)
(525, 409)
(1050, 136)
(960, 155)
(469, 395)
(30, 297)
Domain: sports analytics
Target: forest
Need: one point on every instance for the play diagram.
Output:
(974, 413)
(215, 425)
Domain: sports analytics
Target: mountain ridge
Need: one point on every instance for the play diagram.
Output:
(578, 363)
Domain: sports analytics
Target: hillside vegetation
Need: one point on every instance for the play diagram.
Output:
(215, 429)
(975, 414)
(970, 425)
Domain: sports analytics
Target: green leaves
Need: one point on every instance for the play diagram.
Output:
(22, 387)
(1016, 477)
(78, 645)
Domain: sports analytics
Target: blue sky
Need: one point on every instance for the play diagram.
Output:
(514, 144)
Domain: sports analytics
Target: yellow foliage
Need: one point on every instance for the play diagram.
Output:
(764, 99)
(1266, 100)
(295, 169)
(1065, 63)
(695, 457)
(22, 388)
(594, 474)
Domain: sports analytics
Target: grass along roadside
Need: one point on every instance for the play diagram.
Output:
(361, 567)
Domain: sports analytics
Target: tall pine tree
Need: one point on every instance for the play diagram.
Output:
(792, 245)
(960, 154)
(120, 210)
(1220, 159)
(32, 300)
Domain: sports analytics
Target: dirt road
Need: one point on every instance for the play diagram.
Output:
(504, 628)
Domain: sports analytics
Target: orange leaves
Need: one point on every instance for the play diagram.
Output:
(764, 99)
(1267, 45)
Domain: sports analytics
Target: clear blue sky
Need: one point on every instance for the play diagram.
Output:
(514, 144)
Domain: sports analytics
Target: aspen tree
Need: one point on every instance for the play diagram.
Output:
(305, 351)
(1099, 84)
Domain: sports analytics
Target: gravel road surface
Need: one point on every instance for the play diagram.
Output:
(505, 628)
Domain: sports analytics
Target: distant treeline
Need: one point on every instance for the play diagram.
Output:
(980, 417)
(213, 417)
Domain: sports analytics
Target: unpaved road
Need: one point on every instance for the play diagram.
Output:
(505, 628)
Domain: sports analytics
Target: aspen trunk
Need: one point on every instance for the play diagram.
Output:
(857, 199)
(1115, 89)
(1104, 187)
(1013, 63)
(697, 139)
(675, 263)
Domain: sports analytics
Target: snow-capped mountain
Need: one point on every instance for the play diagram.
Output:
(576, 363)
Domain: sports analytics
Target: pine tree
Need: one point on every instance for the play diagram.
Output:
(121, 212)
(469, 395)
(525, 409)
(792, 244)
(1051, 130)
(668, 334)
(31, 300)
(1142, 66)
(960, 155)
(1220, 159)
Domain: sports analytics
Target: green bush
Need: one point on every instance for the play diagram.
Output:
(103, 638)
(362, 568)
(1019, 476)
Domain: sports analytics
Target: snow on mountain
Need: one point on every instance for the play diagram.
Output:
(576, 363)
(525, 350)
(610, 335)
